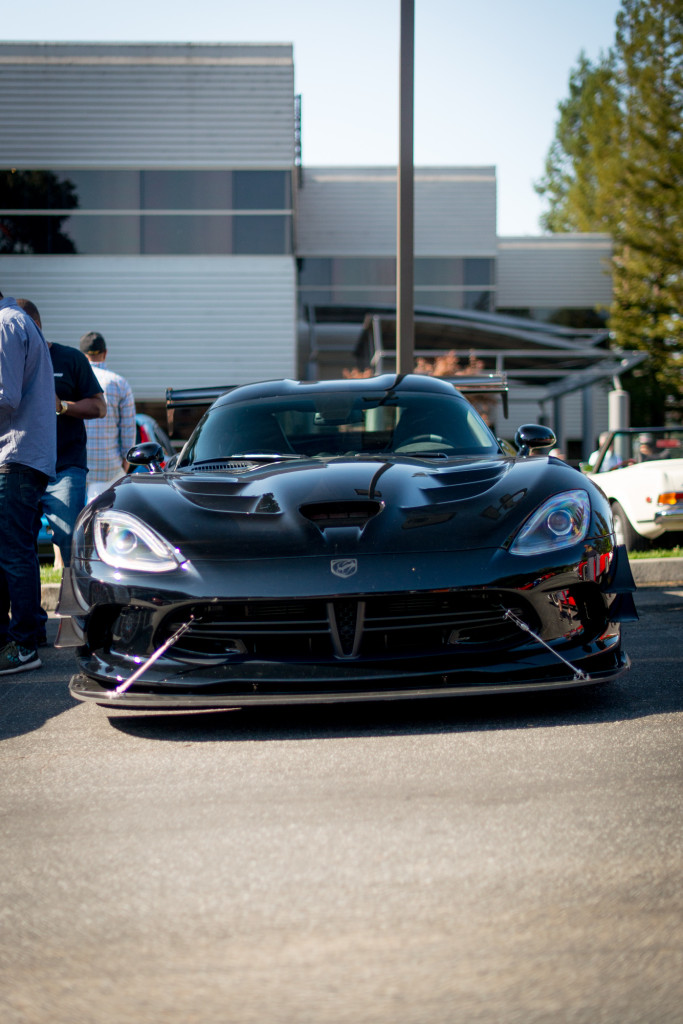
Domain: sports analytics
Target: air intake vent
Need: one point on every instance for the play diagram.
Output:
(222, 466)
(334, 514)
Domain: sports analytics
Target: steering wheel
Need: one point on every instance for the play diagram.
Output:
(422, 440)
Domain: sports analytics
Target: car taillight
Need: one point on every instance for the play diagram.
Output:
(144, 436)
(670, 498)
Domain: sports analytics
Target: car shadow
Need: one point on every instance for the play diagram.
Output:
(29, 699)
(28, 705)
(621, 700)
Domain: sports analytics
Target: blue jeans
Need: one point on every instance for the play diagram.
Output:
(62, 502)
(20, 492)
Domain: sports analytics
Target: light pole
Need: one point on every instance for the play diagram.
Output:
(405, 317)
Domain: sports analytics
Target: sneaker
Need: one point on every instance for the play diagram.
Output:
(15, 658)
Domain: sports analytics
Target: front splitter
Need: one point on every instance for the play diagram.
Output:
(85, 689)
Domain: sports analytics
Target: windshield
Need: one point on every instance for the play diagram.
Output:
(339, 423)
(628, 448)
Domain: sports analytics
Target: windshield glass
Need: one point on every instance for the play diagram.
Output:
(628, 448)
(340, 423)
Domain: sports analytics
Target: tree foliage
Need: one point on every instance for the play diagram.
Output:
(616, 165)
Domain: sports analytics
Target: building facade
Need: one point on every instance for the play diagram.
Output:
(154, 192)
(151, 192)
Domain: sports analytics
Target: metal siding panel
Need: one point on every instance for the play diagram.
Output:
(169, 321)
(455, 212)
(525, 407)
(559, 270)
(352, 212)
(147, 114)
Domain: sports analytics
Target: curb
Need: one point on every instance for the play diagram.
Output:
(646, 571)
(657, 571)
(49, 596)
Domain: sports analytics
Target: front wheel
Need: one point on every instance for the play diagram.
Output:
(625, 533)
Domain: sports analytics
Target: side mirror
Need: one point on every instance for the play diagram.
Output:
(533, 437)
(149, 454)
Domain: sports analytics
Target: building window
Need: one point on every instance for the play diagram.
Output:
(146, 212)
(440, 283)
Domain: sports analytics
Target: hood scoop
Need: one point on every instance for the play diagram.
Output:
(333, 515)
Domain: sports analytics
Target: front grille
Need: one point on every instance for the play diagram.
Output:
(371, 627)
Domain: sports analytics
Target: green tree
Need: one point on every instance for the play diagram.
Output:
(616, 165)
(586, 137)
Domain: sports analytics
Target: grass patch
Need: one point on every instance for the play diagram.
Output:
(675, 552)
(48, 574)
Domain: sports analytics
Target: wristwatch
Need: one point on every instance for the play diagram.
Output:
(63, 406)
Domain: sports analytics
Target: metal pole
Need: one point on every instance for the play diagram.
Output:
(587, 425)
(405, 313)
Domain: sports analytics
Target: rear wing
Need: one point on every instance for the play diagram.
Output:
(185, 398)
(192, 398)
(189, 398)
(486, 384)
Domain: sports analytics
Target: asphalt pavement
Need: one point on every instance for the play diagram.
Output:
(485, 861)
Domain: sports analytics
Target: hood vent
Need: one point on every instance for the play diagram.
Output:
(221, 466)
(328, 515)
(462, 484)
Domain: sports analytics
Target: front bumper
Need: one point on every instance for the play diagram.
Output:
(349, 647)
(263, 684)
(670, 519)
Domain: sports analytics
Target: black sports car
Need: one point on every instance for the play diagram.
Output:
(344, 540)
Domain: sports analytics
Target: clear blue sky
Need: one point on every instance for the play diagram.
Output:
(488, 73)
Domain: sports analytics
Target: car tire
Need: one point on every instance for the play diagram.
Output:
(625, 534)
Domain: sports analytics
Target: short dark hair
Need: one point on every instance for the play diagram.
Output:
(93, 342)
(30, 308)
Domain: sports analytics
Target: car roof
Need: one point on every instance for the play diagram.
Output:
(382, 385)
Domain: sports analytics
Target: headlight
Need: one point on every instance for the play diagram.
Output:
(560, 522)
(125, 542)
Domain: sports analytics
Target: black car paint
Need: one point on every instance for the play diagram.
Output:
(427, 528)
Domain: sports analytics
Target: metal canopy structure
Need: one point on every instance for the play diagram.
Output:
(526, 350)
(610, 368)
(532, 354)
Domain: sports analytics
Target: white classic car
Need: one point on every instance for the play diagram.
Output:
(641, 472)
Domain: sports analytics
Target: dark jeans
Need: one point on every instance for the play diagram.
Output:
(21, 489)
(61, 503)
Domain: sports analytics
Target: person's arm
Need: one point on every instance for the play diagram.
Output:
(127, 432)
(11, 372)
(93, 408)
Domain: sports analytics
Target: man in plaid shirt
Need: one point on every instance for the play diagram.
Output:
(109, 439)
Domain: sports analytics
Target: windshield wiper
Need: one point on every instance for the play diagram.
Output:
(235, 461)
(423, 455)
(265, 456)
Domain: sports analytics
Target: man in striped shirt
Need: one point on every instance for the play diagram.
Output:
(109, 439)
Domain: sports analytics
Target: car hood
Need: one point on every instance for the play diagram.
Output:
(343, 505)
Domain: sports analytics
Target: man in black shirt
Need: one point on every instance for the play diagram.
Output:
(78, 397)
